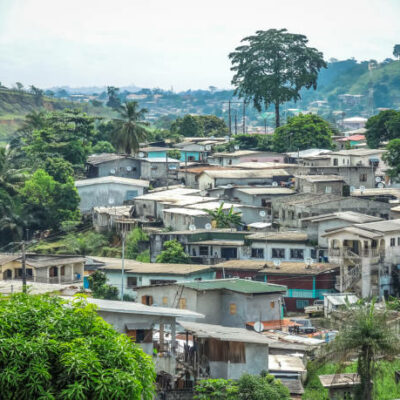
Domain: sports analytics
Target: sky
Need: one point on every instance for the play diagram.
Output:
(181, 44)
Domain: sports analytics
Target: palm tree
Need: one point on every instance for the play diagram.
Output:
(366, 335)
(130, 128)
(222, 219)
(10, 179)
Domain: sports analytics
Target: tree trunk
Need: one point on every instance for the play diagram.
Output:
(277, 119)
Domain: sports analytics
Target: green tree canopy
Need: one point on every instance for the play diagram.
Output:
(392, 157)
(199, 125)
(51, 350)
(396, 50)
(303, 132)
(130, 129)
(173, 253)
(272, 66)
(103, 146)
(100, 288)
(382, 127)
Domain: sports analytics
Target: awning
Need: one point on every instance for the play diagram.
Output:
(374, 159)
(138, 325)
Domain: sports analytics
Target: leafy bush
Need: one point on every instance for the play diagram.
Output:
(173, 253)
(53, 351)
(216, 389)
(132, 243)
(99, 287)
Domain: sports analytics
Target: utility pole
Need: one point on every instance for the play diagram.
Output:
(229, 118)
(23, 267)
(236, 123)
(244, 117)
(123, 265)
(166, 166)
(186, 182)
(265, 125)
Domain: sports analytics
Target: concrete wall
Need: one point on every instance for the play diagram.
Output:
(304, 186)
(120, 168)
(156, 170)
(98, 195)
(181, 222)
(268, 246)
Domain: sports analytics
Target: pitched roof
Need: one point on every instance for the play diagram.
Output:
(307, 199)
(224, 333)
(284, 236)
(359, 152)
(349, 216)
(254, 191)
(185, 211)
(95, 159)
(41, 261)
(395, 192)
(241, 153)
(112, 179)
(243, 173)
(321, 178)
(6, 258)
(235, 285)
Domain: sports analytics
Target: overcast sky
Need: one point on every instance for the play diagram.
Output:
(178, 43)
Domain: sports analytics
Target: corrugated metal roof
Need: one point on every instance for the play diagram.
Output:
(266, 190)
(284, 236)
(376, 192)
(95, 159)
(185, 211)
(224, 333)
(350, 216)
(112, 179)
(241, 153)
(321, 178)
(235, 285)
(243, 174)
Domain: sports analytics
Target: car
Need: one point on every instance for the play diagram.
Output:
(316, 309)
(305, 326)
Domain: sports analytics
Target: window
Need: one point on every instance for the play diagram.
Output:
(300, 304)
(182, 303)
(335, 161)
(232, 308)
(272, 304)
(131, 194)
(165, 301)
(278, 253)
(203, 250)
(398, 241)
(257, 253)
(147, 300)
(313, 254)
(132, 281)
(363, 177)
(392, 242)
(298, 254)
(328, 189)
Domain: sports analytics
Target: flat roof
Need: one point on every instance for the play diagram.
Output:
(219, 242)
(95, 159)
(185, 211)
(130, 307)
(358, 152)
(284, 236)
(349, 216)
(395, 192)
(112, 179)
(243, 173)
(241, 153)
(159, 160)
(339, 380)
(235, 285)
(254, 191)
(167, 195)
(224, 333)
(321, 178)
(137, 267)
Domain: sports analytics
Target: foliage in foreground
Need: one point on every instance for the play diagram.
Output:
(53, 351)
(173, 253)
(248, 387)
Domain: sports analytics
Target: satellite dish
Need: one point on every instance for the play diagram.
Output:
(192, 227)
(229, 186)
(381, 185)
(262, 213)
(141, 154)
(277, 263)
(111, 201)
(236, 147)
(259, 326)
(362, 189)
(378, 179)
(129, 168)
(208, 226)
(208, 147)
(352, 189)
(112, 171)
(274, 184)
(309, 261)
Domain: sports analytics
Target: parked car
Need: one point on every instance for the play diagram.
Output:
(316, 309)
(305, 326)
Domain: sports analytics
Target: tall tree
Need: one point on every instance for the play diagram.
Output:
(392, 157)
(365, 334)
(396, 50)
(273, 66)
(382, 128)
(130, 128)
(113, 97)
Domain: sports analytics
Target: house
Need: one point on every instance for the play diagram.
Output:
(106, 164)
(340, 386)
(351, 141)
(108, 191)
(306, 282)
(292, 246)
(384, 195)
(180, 219)
(210, 179)
(226, 352)
(228, 302)
(297, 156)
(317, 225)
(367, 253)
(333, 301)
(358, 157)
(290, 210)
(319, 184)
(354, 123)
(158, 169)
(195, 151)
(108, 218)
(153, 152)
(241, 156)
(137, 274)
(152, 328)
(43, 268)
(189, 174)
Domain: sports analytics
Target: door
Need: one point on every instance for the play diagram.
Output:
(229, 252)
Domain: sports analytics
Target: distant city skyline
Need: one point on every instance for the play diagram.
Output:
(174, 43)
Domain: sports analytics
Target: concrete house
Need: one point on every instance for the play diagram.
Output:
(241, 156)
(228, 302)
(158, 168)
(366, 253)
(108, 191)
(137, 274)
(320, 184)
(43, 268)
(358, 157)
(290, 210)
(317, 225)
(181, 219)
(227, 353)
(106, 164)
(210, 179)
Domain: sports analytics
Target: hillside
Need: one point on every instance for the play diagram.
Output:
(14, 105)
